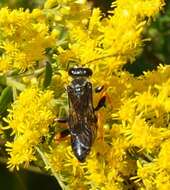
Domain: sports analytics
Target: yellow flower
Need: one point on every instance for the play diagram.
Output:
(21, 150)
(127, 111)
(29, 119)
(56, 157)
(163, 180)
(94, 19)
(5, 64)
(145, 173)
(164, 156)
(24, 38)
(130, 150)
(71, 162)
(150, 137)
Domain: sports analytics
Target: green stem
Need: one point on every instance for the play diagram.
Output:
(3, 160)
(11, 82)
(34, 169)
(34, 73)
(46, 162)
(18, 177)
(14, 93)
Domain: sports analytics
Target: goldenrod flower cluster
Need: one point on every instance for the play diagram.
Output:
(132, 147)
(29, 121)
(24, 38)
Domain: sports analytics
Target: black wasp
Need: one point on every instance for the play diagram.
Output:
(82, 120)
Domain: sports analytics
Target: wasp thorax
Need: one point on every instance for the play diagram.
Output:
(80, 72)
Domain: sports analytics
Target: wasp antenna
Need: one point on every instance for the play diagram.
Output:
(73, 60)
(104, 57)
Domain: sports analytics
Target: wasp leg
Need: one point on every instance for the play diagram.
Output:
(99, 89)
(101, 103)
(64, 133)
(59, 136)
(61, 120)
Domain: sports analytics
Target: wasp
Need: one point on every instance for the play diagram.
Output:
(82, 120)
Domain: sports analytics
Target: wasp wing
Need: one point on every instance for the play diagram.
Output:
(82, 119)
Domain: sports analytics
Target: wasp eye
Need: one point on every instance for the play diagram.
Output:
(80, 72)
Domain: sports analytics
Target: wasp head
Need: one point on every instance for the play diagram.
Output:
(80, 72)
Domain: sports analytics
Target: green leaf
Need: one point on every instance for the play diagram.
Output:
(2, 79)
(5, 99)
(48, 75)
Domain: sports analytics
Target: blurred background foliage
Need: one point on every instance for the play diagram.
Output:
(155, 51)
(26, 4)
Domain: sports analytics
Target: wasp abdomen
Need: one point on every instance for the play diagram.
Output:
(80, 150)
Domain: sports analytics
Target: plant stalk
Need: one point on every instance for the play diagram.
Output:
(46, 162)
